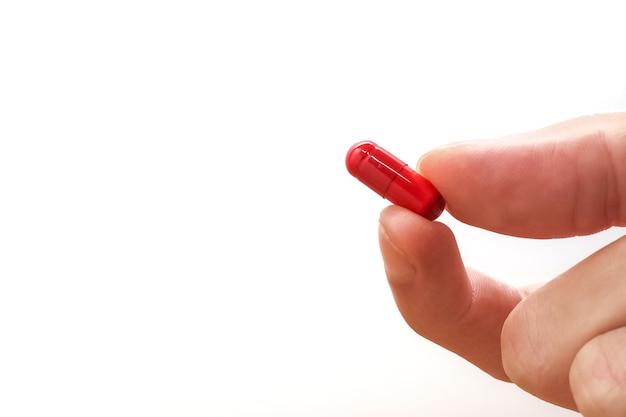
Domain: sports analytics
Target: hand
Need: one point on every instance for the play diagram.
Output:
(564, 342)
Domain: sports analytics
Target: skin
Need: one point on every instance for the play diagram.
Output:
(565, 341)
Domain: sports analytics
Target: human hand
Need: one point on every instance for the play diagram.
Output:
(565, 341)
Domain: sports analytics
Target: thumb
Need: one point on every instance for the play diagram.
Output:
(461, 310)
(598, 375)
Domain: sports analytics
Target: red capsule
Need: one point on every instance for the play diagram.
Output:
(394, 180)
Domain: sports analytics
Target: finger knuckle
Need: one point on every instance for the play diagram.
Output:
(598, 375)
(523, 353)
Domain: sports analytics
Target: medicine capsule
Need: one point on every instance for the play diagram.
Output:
(393, 179)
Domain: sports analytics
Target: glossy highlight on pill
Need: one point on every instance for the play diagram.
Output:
(393, 179)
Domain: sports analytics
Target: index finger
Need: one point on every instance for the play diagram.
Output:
(564, 180)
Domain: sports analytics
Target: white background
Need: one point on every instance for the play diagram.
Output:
(179, 236)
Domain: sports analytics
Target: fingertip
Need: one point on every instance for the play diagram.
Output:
(446, 167)
(408, 236)
(427, 162)
(398, 265)
(424, 269)
(435, 161)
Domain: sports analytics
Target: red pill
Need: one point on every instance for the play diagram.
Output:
(394, 180)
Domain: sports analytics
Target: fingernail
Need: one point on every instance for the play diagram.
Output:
(452, 145)
(398, 265)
